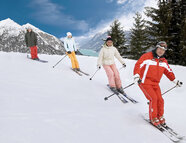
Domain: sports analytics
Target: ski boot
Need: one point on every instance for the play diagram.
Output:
(37, 59)
(155, 122)
(78, 69)
(162, 121)
(120, 90)
(113, 89)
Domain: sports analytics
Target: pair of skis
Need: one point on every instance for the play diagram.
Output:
(166, 130)
(124, 97)
(39, 60)
(80, 72)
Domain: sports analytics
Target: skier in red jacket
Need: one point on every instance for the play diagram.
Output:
(148, 72)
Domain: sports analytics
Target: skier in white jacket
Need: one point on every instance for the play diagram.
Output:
(106, 59)
(70, 47)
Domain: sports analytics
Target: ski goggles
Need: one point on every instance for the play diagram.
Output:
(162, 47)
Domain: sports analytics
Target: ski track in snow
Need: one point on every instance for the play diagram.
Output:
(39, 104)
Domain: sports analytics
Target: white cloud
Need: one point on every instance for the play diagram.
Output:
(50, 13)
(121, 1)
(125, 18)
(109, 1)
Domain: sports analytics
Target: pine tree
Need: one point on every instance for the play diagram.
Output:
(138, 37)
(118, 36)
(158, 25)
(183, 31)
(168, 24)
(177, 32)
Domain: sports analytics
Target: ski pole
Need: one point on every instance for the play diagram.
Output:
(59, 61)
(124, 66)
(106, 98)
(121, 68)
(171, 88)
(94, 73)
(168, 90)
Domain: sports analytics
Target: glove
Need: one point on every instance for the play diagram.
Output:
(76, 52)
(98, 66)
(177, 82)
(124, 65)
(137, 79)
(69, 52)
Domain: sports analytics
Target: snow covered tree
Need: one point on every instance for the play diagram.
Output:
(138, 37)
(118, 36)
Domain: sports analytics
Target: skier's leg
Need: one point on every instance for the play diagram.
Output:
(32, 52)
(110, 75)
(35, 52)
(150, 94)
(75, 60)
(160, 104)
(72, 60)
(116, 76)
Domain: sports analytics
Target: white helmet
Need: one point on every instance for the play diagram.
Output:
(69, 34)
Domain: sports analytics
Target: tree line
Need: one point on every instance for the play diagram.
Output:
(165, 23)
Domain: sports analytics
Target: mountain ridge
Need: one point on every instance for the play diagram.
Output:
(12, 39)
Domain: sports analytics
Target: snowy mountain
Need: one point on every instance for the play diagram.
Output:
(96, 41)
(39, 104)
(12, 36)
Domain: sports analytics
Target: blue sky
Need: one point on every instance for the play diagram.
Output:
(60, 16)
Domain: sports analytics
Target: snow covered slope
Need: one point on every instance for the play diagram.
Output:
(39, 104)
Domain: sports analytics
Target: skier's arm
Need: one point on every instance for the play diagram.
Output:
(118, 56)
(137, 67)
(26, 40)
(168, 72)
(65, 45)
(100, 58)
(75, 48)
(35, 38)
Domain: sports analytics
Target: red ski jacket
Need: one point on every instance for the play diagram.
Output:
(151, 68)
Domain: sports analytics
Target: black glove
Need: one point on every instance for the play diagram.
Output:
(124, 65)
(98, 66)
(137, 79)
(69, 52)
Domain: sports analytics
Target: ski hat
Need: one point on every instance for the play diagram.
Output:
(28, 27)
(109, 38)
(69, 34)
(162, 45)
